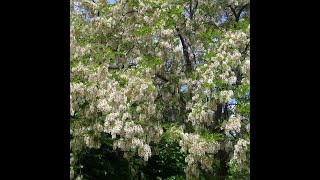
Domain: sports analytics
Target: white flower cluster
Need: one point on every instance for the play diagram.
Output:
(104, 94)
(80, 51)
(166, 33)
(225, 96)
(122, 101)
(77, 96)
(145, 152)
(237, 2)
(246, 67)
(219, 69)
(199, 115)
(100, 23)
(233, 125)
(131, 129)
(231, 46)
(248, 127)
(134, 129)
(198, 150)
(239, 155)
(127, 145)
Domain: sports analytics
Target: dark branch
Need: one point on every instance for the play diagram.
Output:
(130, 65)
(162, 77)
(193, 10)
(225, 111)
(182, 99)
(246, 48)
(218, 112)
(213, 24)
(133, 11)
(237, 15)
(115, 67)
(185, 51)
(240, 11)
(233, 11)
(190, 9)
(129, 50)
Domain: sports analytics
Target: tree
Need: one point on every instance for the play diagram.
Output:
(145, 70)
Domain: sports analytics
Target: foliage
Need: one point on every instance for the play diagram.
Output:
(160, 89)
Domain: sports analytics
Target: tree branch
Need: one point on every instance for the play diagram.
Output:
(193, 10)
(133, 11)
(246, 48)
(185, 51)
(237, 15)
(162, 77)
(115, 67)
(225, 111)
(241, 9)
(233, 11)
(182, 99)
(130, 50)
(121, 66)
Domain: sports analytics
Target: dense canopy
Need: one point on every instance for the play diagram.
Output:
(158, 83)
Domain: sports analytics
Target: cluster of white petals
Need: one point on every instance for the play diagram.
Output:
(233, 125)
(239, 157)
(199, 151)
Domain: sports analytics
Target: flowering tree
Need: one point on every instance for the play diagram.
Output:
(144, 70)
